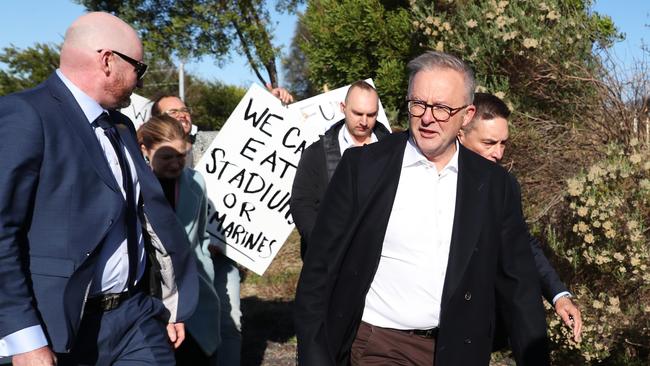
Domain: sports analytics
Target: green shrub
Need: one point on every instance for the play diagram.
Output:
(535, 54)
(359, 39)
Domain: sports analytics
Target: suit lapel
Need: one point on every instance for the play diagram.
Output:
(78, 124)
(128, 139)
(470, 206)
(379, 175)
(150, 189)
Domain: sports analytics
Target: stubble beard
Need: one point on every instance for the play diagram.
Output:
(121, 93)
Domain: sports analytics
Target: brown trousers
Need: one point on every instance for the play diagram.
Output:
(382, 346)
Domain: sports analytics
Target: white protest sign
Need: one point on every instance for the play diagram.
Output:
(318, 113)
(138, 111)
(248, 170)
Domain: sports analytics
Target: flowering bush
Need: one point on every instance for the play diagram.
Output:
(602, 232)
(530, 52)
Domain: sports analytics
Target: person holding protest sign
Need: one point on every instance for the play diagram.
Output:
(319, 160)
(163, 143)
(417, 241)
(83, 219)
(486, 134)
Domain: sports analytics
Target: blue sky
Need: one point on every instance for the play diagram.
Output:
(26, 22)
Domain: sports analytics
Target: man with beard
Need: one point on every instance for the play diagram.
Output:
(83, 219)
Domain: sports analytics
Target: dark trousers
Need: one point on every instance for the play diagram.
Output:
(190, 353)
(133, 334)
(382, 346)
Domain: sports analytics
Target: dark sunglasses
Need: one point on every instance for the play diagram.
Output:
(140, 67)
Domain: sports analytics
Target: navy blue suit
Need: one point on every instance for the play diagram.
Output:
(58, 199)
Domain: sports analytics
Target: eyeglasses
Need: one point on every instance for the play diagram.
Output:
(178, 112)
(441, 112)
(140, 67)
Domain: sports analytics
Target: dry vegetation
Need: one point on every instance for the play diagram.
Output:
(267, 306)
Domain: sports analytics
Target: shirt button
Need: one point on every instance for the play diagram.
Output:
(467, 341)
(468, 296)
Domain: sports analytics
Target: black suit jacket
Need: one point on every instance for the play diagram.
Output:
(315, 169)
(489, 262)
(58, 200)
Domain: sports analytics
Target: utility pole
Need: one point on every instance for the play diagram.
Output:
(181, 81)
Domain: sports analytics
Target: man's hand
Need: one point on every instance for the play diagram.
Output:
(176, 333)
(280, 93)
(39, 357)
(570, 314)
(215, 251)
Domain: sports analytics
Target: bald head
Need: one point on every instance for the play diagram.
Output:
(91, 58)
(97, 30)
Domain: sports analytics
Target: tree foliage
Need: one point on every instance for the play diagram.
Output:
(296, 65)
(536, 54)
(358, 39)
(195, 28)
(212, 101)
(27, 68)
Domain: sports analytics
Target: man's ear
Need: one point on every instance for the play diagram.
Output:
(469, 114)
(342, 107)
(105, 59)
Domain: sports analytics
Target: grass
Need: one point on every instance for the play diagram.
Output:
(269, 337)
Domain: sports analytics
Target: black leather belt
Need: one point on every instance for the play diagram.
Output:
(105, 302)
(424, 333)
(108, 302)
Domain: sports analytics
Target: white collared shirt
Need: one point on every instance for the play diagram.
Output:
(346, 141)
(406, 291)
(113, 257)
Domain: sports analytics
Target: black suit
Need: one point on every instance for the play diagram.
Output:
(489, 262)
(317, 165)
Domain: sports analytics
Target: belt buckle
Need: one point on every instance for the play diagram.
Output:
(110, 302)
(427, 333)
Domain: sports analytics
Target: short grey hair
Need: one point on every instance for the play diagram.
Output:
(431, 60)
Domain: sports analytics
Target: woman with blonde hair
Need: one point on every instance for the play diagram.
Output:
(164, 145)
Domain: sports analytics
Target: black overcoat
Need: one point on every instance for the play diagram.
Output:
(490, 261)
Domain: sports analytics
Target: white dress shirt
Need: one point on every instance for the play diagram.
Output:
(112, 271)
(346, 141)
(407, 288)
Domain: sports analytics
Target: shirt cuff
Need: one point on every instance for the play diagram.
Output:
(561, 294)
(22, 341)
